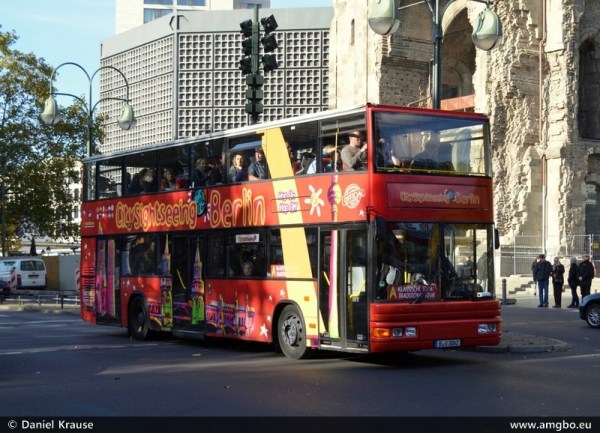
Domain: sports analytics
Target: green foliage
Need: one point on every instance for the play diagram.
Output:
(38, 162)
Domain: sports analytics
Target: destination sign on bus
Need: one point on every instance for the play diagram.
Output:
(408, 292)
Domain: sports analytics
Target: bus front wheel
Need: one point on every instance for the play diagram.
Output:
(292, 333)
(138, 319)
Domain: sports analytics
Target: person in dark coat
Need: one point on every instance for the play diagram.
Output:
(537, 259)
(585, 275)
(558, 280)
(541, 274)
(573, 280)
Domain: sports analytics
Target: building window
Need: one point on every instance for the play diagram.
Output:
(191, 2)
(152, 14)
(158, 2)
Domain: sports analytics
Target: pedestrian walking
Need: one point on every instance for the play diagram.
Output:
(585, 275)
(557, 273)
(541, 274)
(573, 280)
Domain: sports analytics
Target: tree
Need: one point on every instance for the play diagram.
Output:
(38, 162)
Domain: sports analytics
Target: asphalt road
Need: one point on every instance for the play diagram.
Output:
(57, 365)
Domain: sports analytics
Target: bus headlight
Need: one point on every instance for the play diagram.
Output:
(484, 328)
(410, 331)
(397, 332)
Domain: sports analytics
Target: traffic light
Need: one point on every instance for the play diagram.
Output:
(269, 43)
(254, 94)
(247, 42)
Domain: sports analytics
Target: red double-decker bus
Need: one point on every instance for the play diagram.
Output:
(360, 230)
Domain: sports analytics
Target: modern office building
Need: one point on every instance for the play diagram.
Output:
(134, 13)
(184, 77)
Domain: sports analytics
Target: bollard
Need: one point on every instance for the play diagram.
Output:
(39, 301)
(504, 300)
(62, 301)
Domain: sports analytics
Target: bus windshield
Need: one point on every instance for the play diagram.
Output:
(442, 261)
(429, 144)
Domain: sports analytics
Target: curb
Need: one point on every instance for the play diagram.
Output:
(557, 346)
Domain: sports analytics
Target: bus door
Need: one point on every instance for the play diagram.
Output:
(107, 291)
(188, 283)
(342, 288)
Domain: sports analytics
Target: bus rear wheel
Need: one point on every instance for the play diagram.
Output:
(138, 319)
(292, 333)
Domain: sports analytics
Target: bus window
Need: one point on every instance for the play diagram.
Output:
(110, 176)
(217, 259)
(173, 170)
(421, 144)
(243, 250)
(140, 256)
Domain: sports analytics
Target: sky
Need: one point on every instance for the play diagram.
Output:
(71, 31)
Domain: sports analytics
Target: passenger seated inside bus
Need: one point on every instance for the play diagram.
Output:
(305, 162)
(386, 155)
(354, 155)
(444, 157)
(238, 171)
(259, 169)
(247, 269)
(148, 182)
(135, 186)
(426, 160)
(203, 174)
(167, 183)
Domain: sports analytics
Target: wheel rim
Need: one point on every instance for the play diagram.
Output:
(140, 319)
(291, 331)
(594, 316)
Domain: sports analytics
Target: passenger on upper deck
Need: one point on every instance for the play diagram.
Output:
(329, 159)
(444, 157)
(168, 182)
(259, 169)
(202, 175)
(237, 172)
(428, 158)
(354, 157)
(385, 154)
(148, 182)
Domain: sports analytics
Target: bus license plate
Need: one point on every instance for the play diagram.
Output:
(447, 343)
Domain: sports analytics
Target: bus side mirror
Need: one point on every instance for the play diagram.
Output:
(496, 239)
(379, 228)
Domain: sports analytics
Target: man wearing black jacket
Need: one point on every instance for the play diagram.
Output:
(541, 274)
(586, 273)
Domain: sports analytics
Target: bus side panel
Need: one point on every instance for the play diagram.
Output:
(434, 321)
(245, 308)
(88, 279)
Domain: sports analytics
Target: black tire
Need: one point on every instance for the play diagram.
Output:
(138, 319)
(292, 333)
(592, 315)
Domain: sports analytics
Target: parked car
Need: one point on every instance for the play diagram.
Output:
(30, 273)
(589, 310)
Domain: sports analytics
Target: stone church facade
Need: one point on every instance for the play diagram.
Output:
(541, 89)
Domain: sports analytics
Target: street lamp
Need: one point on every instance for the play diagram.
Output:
(51, 116)
(384, 19)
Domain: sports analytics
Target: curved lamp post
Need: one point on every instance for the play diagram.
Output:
(51, 116)
(384, 19)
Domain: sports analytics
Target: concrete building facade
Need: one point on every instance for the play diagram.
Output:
(134, 13)
(184, 77)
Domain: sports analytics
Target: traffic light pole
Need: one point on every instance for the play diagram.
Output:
(255, 48)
